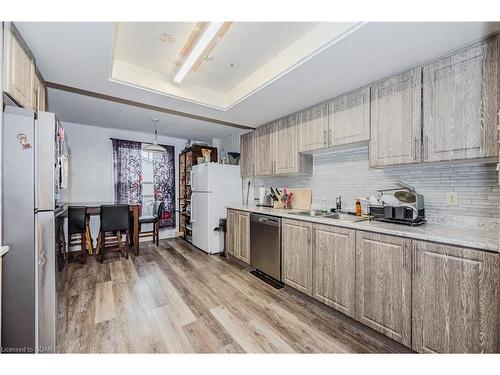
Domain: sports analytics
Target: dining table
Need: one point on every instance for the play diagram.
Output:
(94, 209)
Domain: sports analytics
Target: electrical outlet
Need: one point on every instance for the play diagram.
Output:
(452, 198)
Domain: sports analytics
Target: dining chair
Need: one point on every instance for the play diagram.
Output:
(114, 222)
(77, 230)
(154, 219)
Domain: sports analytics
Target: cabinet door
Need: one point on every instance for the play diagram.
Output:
(264, 150)
(383, 284)
(20, 73)
(455, 299)
(396, 120)
(244, 236)
(349, 118)
(313, 128)
(38, 93)
(286, 155)
(334, 254)
(461, 100)
(247, 150)
(297, 255)
(232, 232)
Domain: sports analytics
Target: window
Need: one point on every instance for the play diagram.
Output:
(148, 196)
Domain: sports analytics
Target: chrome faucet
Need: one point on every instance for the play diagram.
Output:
(338, 203)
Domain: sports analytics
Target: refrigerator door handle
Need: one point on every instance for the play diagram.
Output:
(192, 206)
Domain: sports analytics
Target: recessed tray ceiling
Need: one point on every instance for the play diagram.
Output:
(247, 57)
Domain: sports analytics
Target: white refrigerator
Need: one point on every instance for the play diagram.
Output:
(32, 148)
(214, 187)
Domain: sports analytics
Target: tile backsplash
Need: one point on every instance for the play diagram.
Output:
(347, 173)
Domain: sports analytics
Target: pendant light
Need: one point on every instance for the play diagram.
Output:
(155, 147)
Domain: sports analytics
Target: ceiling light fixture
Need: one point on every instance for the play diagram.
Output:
(155, 147)
(210, 32)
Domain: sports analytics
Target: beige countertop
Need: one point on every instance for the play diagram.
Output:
(472, 237)
(3, 250)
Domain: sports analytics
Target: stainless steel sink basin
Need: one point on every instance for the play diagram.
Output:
(311, 213)
(331, 215)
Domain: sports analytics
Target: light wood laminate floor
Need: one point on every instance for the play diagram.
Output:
(177, 299)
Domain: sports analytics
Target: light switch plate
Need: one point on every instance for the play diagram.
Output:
(452, 198)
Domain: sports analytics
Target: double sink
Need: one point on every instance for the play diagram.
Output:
(331, 215)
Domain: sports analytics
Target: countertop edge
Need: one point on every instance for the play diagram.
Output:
(383, 228)
(3, 250)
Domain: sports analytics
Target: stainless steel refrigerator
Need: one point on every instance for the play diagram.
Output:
(31, 156)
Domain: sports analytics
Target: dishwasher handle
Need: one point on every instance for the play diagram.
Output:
(265, 220)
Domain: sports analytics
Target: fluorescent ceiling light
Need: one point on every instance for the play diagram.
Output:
(212, 29)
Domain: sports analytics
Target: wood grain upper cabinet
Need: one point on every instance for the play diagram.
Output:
(286, 153)
(455, 299)
(460, 102)
(395, 126)
(313, 128)
(383, 284)
(297, 255)
(349, 118)
(244, 236)
(39, 97)
(232, 232)
(334, 253)
(247, 150)
(19, 76)
(264, 150)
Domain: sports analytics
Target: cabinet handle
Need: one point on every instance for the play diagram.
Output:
(36, 100)
(415, 147)
(329, 136)
(426, 147)
(414, 260)
(405, 250)
(324, 138)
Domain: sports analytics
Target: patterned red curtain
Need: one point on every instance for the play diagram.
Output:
(127, 171)
(164, 184)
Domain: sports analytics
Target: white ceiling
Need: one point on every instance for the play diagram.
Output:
(99, 112)
(80, 55)
(151, 45)
(247, 45)
(244, 60)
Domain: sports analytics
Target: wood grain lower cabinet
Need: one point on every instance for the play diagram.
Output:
(238, 234)
(296, 239)
(244, 236)
(455, 299)
(247, 151)
(460, 103)
(334, 255)
(232, 232)
(383, 284)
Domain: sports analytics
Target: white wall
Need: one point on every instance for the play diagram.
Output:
(91, 165)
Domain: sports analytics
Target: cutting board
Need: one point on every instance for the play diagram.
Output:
(301, 200)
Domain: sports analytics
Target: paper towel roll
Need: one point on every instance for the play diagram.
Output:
(262, 195)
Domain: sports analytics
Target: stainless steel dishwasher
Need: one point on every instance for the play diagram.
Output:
(265, 244)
